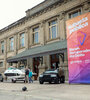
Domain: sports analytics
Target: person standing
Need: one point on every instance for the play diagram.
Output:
(61, 74)
(26, 75)
(30, 76)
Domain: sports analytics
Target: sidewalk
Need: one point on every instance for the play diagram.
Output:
(36, 91)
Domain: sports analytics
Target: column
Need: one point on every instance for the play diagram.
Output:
(65, 59)
(60, 60)
(30, 63)
(5, 53)
(15, 44)
(27, 38)
(43, 67)
(42, 33)
(18, 64)
(66, 65)
(61, 22)
(48, 63)
(30, 37)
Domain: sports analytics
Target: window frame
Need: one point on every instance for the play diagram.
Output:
(35, 40)
(79, 11)
(50, 29)
(2, 51)
(20, 40)
(11, 48)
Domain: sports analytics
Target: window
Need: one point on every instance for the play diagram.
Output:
(75, 13)
(2, 47)
(11, 44)
(35, 35)
(53, 29)
(22, 40)
(1, 64)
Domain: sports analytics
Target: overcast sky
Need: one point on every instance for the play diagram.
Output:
(13, 10)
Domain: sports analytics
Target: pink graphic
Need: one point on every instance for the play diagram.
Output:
(78, 46)
(81, 42)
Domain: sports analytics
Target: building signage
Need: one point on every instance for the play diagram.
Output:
(78, 45)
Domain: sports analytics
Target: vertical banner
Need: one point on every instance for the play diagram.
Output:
(78, 46)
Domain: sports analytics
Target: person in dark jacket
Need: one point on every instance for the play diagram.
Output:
(26, 75)
(61, 74)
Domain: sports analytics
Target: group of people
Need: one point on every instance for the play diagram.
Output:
(28, 76)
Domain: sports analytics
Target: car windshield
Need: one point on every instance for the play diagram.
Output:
(10, 68)
(51, 71)
(21, 67)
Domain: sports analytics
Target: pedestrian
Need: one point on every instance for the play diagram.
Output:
(26, 75)
(61, 74)
(30, 76)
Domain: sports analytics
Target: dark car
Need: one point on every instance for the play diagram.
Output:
(1, 77)
(51, 76)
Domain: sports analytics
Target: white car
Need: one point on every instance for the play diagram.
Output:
(15, 74)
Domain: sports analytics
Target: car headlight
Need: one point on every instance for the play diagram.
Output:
(53, 75)
(40, 75)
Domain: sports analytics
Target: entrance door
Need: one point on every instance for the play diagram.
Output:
(36, 63)
(54, 61)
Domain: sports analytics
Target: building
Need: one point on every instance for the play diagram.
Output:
(38, 40)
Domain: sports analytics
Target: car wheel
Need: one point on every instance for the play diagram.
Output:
(49, 82)
(13, 81)
(57, 81)
(41, 82)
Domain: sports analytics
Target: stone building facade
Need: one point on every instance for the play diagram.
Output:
(43, 24)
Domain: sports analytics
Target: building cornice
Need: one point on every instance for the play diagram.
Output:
(22, 20)
(40, 7)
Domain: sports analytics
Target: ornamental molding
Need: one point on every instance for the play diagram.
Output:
(61, 15)
(44, 11)
(86, 6)
(42, 23)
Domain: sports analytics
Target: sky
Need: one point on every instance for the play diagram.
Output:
(13, 10)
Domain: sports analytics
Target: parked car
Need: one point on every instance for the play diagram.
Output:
(14, 79)
(51, 76)
(1, 77)
(15, 74)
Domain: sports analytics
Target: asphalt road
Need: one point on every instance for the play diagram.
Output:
(35, 91)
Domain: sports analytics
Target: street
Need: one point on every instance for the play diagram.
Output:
(36, 91)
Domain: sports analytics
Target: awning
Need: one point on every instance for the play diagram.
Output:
(48, 49)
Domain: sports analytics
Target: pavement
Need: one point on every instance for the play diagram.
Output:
(36, 91)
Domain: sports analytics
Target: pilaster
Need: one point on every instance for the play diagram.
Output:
(42, 33)
(5, 53)
(27, 38)
(15, 44)
(61, 20)
(48, 62)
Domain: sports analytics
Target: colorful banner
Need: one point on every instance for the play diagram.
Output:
(78, 45)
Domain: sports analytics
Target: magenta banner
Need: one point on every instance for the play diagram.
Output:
(78, 44)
